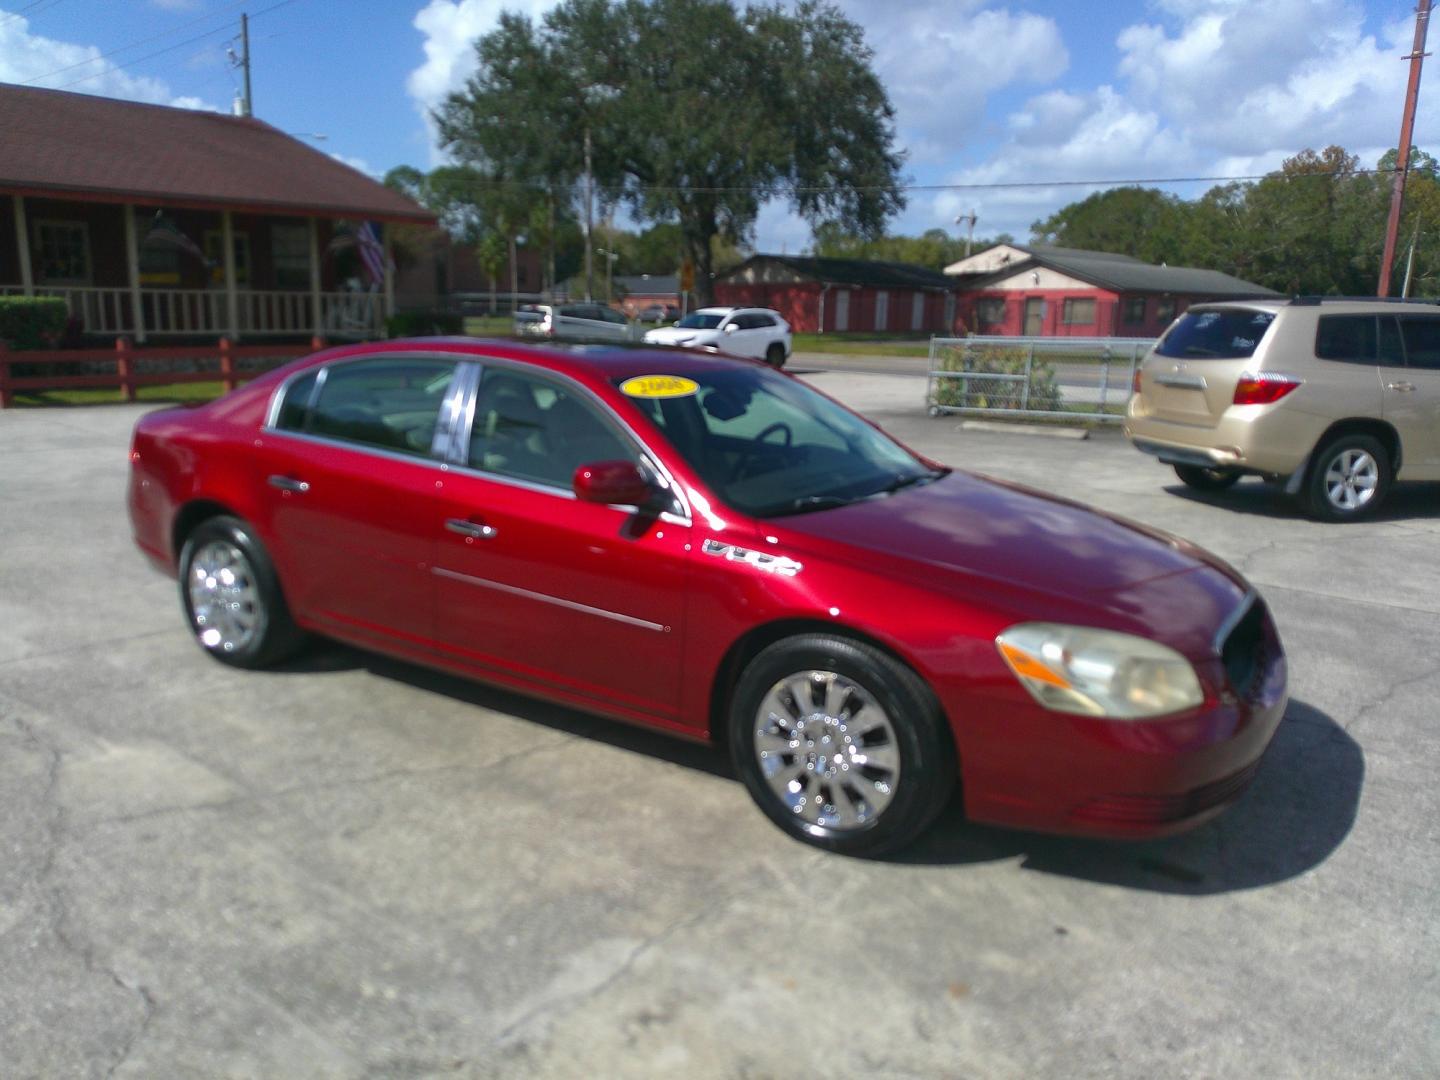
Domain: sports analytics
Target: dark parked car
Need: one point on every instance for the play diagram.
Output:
(707, 546)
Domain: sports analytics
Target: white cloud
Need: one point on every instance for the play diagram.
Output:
(358, 164)
(28, 58)
(450, 28)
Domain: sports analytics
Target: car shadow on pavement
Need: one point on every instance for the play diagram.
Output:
(1298, 810)
(1405, 502)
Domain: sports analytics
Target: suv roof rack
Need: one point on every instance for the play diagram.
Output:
(1314, 301)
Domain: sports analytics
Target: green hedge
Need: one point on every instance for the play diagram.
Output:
(424, 324)
(32, 322)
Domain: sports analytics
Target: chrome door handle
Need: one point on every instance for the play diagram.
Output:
(1402, 387)
(287, 483)
(471, 529)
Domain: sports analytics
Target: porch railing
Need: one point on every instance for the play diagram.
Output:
(185, 312)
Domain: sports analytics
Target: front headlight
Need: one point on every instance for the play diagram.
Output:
(1099, 673)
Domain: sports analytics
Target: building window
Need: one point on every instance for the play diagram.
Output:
(1164, 310)
(990, 311)
(1078, 313)
(290, 255)
(1134, 310)
(917, 311)
(215, 253)
(64, 250)
(882, 309)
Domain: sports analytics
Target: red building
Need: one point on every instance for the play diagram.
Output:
(840, 295)
(1033, 291)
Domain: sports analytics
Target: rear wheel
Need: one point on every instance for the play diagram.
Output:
(1349, 478)
(232, 597)
(840, 744)
(1207, 479)
(775, 355)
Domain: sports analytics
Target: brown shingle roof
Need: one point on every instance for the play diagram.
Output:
(57, 143)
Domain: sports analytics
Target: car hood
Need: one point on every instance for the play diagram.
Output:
(674, 335)
(992, 532)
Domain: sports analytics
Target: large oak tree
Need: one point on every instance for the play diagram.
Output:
(697, 112)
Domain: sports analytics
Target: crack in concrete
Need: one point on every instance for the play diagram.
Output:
(1388, 696)
(74, 647)
(59, 909)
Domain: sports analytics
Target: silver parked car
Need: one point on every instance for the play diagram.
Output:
(575, 322)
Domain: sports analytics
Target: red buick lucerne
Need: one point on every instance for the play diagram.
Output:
(711, 547)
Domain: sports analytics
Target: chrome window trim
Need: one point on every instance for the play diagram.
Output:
(1233, 620)
(469, 371)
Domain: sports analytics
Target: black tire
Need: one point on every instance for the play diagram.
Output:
(775, 355)
(926, 751)
(1324, 499)
(272, 634)
(1203, 479)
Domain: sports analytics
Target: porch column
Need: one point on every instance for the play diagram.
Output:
(132, 261)
(232, 301)
(389, 280)
(316, 315)
(22, 244)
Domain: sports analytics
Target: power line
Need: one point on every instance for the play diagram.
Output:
(17, 13)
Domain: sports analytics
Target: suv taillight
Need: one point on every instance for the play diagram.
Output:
(1263, 389)
(1135, 382)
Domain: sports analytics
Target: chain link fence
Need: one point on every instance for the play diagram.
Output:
(1075, 378)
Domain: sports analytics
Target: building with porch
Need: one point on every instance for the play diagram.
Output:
(161, 223)
(1038, 291)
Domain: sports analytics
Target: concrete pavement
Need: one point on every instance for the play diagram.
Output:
(353, 867)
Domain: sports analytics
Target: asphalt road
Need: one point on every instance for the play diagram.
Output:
(351, 867)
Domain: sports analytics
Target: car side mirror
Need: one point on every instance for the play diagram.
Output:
(612, 483)
(730, 328)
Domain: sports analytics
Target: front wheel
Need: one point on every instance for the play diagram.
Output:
(232, 597)
(840, 744)
(1348, 479)
(1206, 479)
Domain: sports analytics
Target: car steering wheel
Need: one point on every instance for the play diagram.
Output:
(746, 455)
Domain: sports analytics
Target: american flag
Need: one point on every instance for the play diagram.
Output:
(372, 254)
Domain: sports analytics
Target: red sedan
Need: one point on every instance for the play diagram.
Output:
(707, 546)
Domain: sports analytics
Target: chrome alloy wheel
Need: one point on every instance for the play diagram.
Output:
(827, 749)
(1351, 480)
(224, 598)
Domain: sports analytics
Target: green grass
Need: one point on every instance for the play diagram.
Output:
(94, 395)
(875, 344)
(489, 325)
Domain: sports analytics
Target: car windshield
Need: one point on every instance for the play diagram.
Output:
(699, 321)
(1215, 335)
(768, 445)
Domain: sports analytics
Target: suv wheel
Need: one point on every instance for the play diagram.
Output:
(1203, 479)
(775, 355)
(1348, 479)
(840, 744)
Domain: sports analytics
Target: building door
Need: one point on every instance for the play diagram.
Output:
(917, 311)
(949, 313)
(842, 310)
(1034, 316)
(882, 310)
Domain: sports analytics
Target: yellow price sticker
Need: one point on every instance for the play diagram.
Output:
(659, 386)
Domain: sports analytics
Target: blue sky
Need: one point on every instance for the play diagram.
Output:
(987, 93)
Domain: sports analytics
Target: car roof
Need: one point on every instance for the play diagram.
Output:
(607, 362)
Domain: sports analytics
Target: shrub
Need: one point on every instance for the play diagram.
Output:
(424, 324)
(979, 392)
(32, 322)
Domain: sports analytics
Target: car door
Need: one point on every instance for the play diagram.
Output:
(534, 583)
(1412, 395)
(350, 465)
(744, 340)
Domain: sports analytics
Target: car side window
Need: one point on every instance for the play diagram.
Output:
(611, 315)
(1346, 337)
(389, 403)
(1391, 351)
(1422, 341)
(295, 406)
(532, 429)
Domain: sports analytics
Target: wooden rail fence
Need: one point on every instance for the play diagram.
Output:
(225, 357)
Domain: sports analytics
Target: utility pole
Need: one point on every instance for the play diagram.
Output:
(1402, 163)
(968, 219)
(242, 104)
(589, 223)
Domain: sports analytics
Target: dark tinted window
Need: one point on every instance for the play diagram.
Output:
(1346, 337)
(390, 403)
(1205, 335)
(295, 407)
(532, 429)
(1134, 310)
(1392, 353)
(1422, 341)
(697, 321)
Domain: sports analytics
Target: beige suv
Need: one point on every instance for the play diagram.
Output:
(1337, 398)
